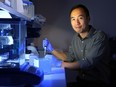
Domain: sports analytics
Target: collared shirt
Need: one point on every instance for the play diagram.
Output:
(92, 53)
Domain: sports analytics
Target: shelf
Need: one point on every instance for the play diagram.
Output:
(13, 11)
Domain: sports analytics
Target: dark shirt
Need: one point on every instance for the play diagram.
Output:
(93, 55)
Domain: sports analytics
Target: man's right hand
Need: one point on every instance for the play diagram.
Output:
(47, 44)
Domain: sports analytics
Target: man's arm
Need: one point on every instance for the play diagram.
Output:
(60, 55)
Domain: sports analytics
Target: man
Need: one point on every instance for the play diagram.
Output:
(88, 53)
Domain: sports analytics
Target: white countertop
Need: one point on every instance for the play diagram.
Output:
(55, 79)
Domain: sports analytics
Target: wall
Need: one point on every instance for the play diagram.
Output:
(57, 27)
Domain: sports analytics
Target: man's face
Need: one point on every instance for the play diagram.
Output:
(79, 20)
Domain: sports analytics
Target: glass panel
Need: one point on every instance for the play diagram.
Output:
(12, 42)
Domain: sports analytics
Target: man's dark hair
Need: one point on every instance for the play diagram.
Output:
(81, 6)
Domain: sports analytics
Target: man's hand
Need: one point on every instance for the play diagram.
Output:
(65, 64)
(47, 45)
(70, 65)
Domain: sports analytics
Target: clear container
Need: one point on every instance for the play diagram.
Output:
(28, 9)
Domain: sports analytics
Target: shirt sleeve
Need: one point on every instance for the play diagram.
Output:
(70, 55)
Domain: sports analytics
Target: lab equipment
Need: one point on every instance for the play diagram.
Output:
(12, 42)
(44, 46)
